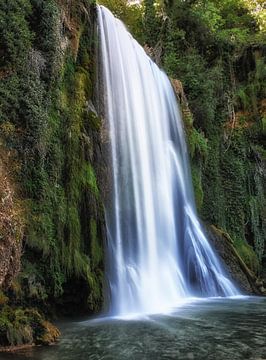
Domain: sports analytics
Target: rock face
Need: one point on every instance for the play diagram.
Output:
(243, 277)
(239, 255)
(11, 226)
(55, 132)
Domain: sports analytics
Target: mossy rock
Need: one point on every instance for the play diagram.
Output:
(236, 268)
(197, 186)
(20, 326)
(3, 299)
(248, 255)
(50, 333)
(94, 121)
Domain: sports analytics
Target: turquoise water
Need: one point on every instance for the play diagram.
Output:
(215, 329)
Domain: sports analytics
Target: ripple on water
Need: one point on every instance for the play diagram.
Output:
(223, 329)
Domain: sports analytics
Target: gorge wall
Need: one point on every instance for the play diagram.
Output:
(50, 155)
(217, 50)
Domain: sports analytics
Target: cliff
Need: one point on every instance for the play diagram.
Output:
(51, 208)
(217, 51)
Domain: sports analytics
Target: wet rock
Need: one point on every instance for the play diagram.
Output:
(240, 274)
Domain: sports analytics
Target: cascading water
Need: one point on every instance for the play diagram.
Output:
(158, 253)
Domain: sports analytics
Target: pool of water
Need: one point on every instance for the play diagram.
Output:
(215, 329)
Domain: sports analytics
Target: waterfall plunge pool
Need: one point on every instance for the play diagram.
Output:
(209, 329)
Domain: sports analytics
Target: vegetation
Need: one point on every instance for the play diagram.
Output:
(46, 71)
(216, 48)
(131, 15)
(24, 326)
(50, 132)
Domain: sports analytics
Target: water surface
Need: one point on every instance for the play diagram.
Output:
(215, 329)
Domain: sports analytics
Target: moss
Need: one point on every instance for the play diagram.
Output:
(96, 248)
(94, 121)
(50, 333)
(47, 75)
(88, 178)
(263, 124)
(3, 298)
(95, 297)
(197, 185)
(30, 284)
(223, 83)
(25, 326)
(197, 143)
(213, 210)
(248, 255)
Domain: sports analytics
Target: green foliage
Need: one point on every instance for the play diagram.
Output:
(197, 185)
(20, 326)
(15, 34)
(263, 125)
(45, 21)
(3, 298)
(14, 327)
(151, 23)
(89, 179)
(44, 95)
(233, 175)
(210, 14)
(215, 49)
(197, 144)
(130, 14)
(31, 283)
(96, 248)
(248, 255)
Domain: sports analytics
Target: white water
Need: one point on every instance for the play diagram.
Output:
(158, 254)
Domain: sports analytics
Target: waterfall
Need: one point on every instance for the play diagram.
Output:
(157, 251)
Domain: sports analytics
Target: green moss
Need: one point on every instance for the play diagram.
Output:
(20, 326)
(248, 255)
(96, 248)
(88, 178)
(46, 121)
(197, 144)
(223, 79)
(3, 298)
(15, 33)
(197, 185)
(30, 284)
(263, 125)
(95, 297)
(94, 121)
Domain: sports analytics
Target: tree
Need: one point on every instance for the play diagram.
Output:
(151, 23)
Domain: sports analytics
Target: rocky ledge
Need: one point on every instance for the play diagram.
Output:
(247, 281)
(23, 327)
